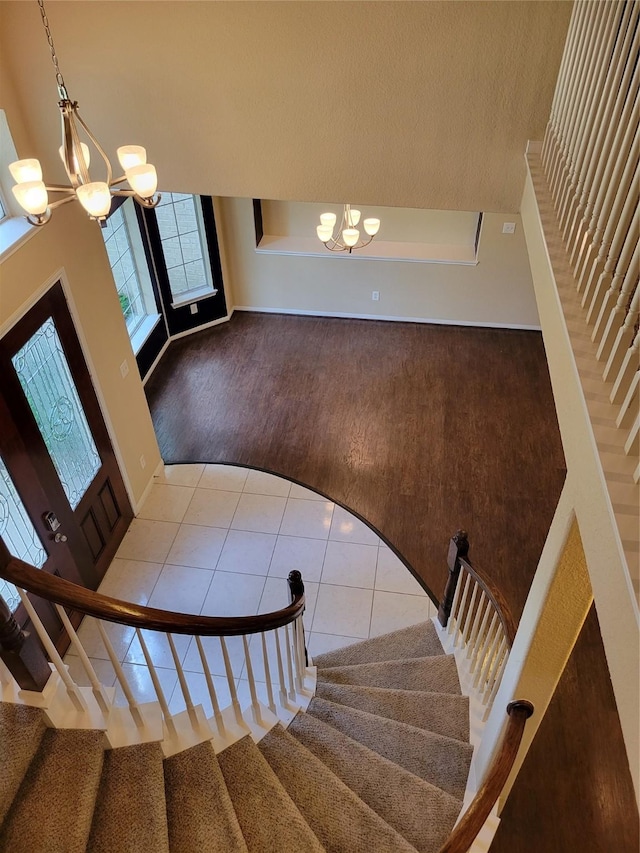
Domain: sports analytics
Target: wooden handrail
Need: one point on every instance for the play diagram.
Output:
(474, 818)
(96, 604)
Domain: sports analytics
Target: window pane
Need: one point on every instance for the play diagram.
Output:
(18, 534)
(125, 273)
(181, 233)
(46, 380)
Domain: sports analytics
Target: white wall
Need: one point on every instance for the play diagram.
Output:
(496, 292)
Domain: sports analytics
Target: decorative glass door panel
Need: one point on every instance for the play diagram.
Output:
(44, 375)
(18, 533)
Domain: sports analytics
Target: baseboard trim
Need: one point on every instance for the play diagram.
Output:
(391, 318)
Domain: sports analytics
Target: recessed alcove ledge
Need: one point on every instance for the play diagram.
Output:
(378, 250)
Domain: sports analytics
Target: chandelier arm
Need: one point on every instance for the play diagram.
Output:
(52, 205)
(99, 147)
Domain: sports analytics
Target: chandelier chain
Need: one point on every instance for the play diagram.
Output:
(59, 78)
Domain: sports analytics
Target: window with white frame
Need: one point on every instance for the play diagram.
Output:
(184, 245)
(122, 240)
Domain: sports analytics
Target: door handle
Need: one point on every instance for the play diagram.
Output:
(59, 537)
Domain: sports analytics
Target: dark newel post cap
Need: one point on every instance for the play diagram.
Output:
(521, 705)
(296, 586)
(462, 541)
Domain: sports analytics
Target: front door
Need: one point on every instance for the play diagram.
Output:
(56, 452)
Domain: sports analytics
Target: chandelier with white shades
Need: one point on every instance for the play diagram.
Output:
(95, 196)
(347, 238)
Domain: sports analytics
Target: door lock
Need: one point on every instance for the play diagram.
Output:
(59, 537)
(51, 520)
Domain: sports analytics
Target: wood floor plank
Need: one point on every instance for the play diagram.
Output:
(420, 430)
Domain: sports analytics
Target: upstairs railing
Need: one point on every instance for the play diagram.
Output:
(590, 157)
(281, 653)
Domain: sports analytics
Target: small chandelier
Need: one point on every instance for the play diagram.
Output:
(348, 237)
(95, 196)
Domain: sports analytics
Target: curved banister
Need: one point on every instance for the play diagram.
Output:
(496, 597)
(96, 604)
(464, 834)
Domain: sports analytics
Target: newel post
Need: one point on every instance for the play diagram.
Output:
(296, 587)
(23, 656)
(458, 547)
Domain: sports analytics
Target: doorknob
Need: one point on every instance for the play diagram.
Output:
(59, 537)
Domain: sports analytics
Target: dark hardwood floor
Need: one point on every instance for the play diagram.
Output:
(420, 430)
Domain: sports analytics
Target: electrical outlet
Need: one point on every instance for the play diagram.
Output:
(193, 307)
(375, 295)
(509, 228)
(124, 368)
(143, 462)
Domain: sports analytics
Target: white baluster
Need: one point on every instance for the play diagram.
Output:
(255, 705)
(461, 609)
(610, 325)
(464, 630)
(231, 682)
(630, 404)
(164, 707)
(191, 711)
(215, 705)
(297, 656)
(72, 690)
(281, 681)
(487, 649)
(482, 605)
(134, 710)
(495, 657)
(97, 688)
(628, 368)
(267, 674)
(496, 683)
(489, 611)
(292, 688)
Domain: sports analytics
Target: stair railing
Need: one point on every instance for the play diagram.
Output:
(281, 638)
(478, 621)
(473, 819)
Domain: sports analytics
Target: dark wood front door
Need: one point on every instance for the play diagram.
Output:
(56, 453)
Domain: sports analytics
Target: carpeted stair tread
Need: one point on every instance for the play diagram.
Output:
(21, 730)
(443, 713)
(200, 813)
(52, 810)
(268, 817)
(442, 761)
(339, 818)
(130, 814)
(422, 813)
(416, 641)
(437, 673)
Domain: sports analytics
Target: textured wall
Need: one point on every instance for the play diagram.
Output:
(409, 104)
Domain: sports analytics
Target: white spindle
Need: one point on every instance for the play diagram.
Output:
(488, 659)
(134, 710)
(267, 674)
(164, 707)
(298, 653)
(231, 682)
(464, 629)
(461, 609)
(191, 711)
(627, 370)
(481, 636)
(255, 705)
(630, 403)
(482, 605)
(215, 705)
(96, 686)
(454, 603)
(496, 682)
(292, 687)
(496, 660)
(281, 681)
(614, 306)
(72, 690)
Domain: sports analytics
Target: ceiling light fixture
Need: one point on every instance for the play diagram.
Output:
(348, 236)
(95, 196)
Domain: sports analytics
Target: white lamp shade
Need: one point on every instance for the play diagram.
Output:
(350, 236)
(26, 170)
(32, 196)
(131, 155)
(143, 179)
(371, 226)
(86, 154)
(354, 217)
(328, 219)
(95, 198)
(324, 233)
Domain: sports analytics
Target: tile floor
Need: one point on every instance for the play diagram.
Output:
(220, 540)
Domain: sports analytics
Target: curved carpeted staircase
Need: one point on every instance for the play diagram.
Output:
(377, 763)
